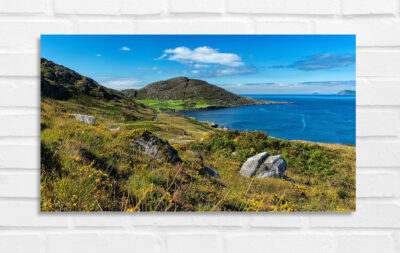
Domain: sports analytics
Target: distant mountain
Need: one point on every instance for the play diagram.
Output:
(347, 92)
(187, 93)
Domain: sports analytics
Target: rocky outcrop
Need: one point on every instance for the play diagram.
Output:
(263, 165)
(253, 164)
(273, 166)
(154, 147)
(91, 120)
(210, 172)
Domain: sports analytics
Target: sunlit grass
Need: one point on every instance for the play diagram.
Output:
(90, 168)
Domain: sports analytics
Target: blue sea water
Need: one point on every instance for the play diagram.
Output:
(317, 118)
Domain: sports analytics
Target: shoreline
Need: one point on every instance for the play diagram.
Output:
(216, 107)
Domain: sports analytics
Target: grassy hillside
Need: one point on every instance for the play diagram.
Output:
(182, 93)
(96, 168)
(91, 168)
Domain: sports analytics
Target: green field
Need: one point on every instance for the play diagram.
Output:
(174, 104)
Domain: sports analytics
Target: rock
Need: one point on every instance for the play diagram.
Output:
(263, 165)
(116, 129)
(214, 125)
(288, 179)
(85, 118)
(252, 165)
(156, 148)
(273, 166)
(210, 172)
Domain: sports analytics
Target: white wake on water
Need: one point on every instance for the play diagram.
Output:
(303, 122)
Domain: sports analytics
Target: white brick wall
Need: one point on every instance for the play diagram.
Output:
(375, 227)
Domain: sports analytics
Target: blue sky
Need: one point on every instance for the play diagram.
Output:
(244, 64)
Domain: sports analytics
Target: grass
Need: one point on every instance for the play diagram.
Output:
(174, 104)
(90, 168)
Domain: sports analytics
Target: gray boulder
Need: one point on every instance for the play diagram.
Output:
(156, 148)
(85, 118)
(263, 165)
(252, 165)
(210, 172)
(273, 166)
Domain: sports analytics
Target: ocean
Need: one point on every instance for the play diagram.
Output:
(317, 118)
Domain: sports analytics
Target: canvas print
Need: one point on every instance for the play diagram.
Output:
(203, 123)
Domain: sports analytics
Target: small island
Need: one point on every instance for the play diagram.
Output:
(347, 92)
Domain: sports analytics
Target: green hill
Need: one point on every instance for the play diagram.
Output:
(182, 93)
(65, 86)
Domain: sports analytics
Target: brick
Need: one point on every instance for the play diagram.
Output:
(278, 242)
(165, 220)
(378, 93)
(21, 64)
(276, 220)
(378, 63)
(22, 243)
(22, 6)
(369, 123)
(378, 154)
(27, 90)
(356, 7)
(87, 7)
(200, 6)
(283, 27)
(100, 220)
(370, 32)
(26, 34)
(316, 7)
(105, 27)
(20, 185)
(365, 243)
(27, 214)
(105, 242)
(192, 27)
(216, 220)
(377, 184)
(10, 156)
(368, 215)
(142, 7)
(20, 125)
(182, 243)
(162, 220)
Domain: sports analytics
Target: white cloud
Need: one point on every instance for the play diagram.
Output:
(98, 55)
(227, 71)
(198, 66)
(122, 83)
(202, 55)
(154, 68)
(124, 48)
(195, 71)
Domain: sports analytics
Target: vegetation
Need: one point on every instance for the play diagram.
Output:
(95, 168)
(174, 104)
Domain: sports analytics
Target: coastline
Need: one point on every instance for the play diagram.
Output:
(216, 107)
